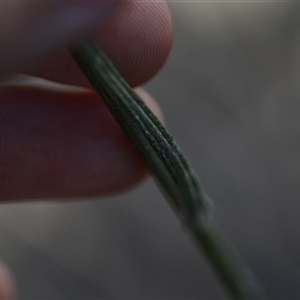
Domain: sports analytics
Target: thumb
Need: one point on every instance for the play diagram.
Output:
(8, 290)
(29, 31)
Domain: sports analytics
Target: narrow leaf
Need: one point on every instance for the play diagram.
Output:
(168, 166)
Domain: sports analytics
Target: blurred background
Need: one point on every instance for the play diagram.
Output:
(230, 93)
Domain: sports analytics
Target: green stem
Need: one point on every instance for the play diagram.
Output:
(232, 270)
(168, 166)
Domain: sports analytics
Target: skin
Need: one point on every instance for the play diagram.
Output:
(64, 143)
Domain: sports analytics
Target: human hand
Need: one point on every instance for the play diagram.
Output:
(64, 143)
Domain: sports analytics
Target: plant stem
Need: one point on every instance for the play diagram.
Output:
(169, 167)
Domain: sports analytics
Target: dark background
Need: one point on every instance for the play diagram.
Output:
(230, 94)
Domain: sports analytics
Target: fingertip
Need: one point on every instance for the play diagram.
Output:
(8, 287)
(138, 39)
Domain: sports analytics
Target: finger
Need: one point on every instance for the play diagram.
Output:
(30, 30)
(137, 38)
(62, 144)
(8, 289)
